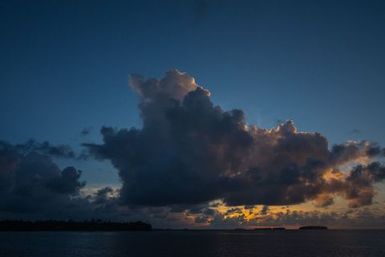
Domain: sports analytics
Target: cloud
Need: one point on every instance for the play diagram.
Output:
(359, 183)
(32, 186)
(31, 183)
(362, 218)
(190, 151)
(46, 148)
(86, 131)
(190, 160)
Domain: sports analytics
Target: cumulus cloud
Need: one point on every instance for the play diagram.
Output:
(31, 183)
(190, 151)
(188, 160)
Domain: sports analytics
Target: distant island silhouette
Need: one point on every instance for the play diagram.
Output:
(58, 225)
(269, 229)
(101, 225)
(313, 228)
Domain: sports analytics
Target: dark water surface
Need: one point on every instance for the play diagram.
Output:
(194, 243)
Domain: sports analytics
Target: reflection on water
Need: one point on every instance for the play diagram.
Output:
(194, 244)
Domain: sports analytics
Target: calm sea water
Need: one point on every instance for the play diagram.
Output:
(194, 244)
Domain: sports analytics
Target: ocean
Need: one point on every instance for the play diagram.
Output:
(329, 243)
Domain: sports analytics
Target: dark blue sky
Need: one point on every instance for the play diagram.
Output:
(65, 64)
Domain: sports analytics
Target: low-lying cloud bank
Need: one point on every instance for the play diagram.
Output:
(190, 151)
(188, 156)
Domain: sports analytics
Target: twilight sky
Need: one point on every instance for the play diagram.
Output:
(65, 70)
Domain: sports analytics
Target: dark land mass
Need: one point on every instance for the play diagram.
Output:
(100, 225)
(269, 229)
(313, 228)
(55, 225)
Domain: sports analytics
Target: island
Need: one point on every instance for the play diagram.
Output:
(313, 228)
(270, 229)
(58, 225)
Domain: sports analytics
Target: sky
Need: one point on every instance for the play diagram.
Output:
(293, 68)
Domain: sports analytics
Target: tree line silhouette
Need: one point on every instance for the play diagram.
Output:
(70, 225)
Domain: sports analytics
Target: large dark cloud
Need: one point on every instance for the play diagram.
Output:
(190, 151)
(190, 158)
(31, 182)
